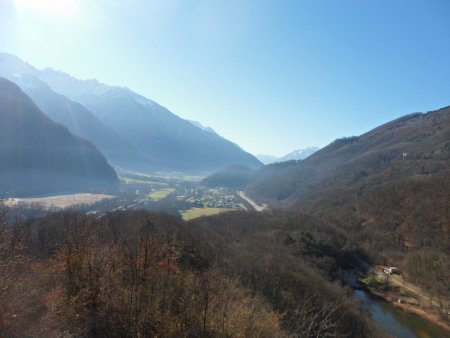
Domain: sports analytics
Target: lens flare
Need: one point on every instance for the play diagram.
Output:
(50, 7)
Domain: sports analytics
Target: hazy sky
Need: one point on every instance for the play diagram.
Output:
(272, 76)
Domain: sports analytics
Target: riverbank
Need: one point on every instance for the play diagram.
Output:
(401, 294)
(409, 304)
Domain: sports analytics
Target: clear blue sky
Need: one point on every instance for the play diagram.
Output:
(272, 76)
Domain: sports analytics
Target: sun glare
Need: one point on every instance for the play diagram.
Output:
(50, 7)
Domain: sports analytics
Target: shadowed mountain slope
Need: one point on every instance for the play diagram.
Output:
(171, 141)
(75, 117)
(39, 156)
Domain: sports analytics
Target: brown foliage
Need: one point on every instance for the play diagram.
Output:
(138, 274)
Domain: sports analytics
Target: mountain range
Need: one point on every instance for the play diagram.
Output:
(40, 156)
(132, 131)
(296, 155)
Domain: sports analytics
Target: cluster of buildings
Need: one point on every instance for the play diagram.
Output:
(202, 197)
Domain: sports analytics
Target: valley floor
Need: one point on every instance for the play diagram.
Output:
(58, 201)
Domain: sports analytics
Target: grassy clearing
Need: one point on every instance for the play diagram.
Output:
(160, 194)
(131, 181)
(199, 212)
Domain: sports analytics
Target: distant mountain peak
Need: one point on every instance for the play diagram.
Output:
(67, 85)
(299, 154)
(296, 155)
(11, 65)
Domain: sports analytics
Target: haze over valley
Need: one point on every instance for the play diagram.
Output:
(224, 169)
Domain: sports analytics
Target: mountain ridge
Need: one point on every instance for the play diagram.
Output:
(74, 116)
(172, 141)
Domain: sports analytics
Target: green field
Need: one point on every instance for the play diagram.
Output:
(160, 194)
(199, 212)
(165, 175)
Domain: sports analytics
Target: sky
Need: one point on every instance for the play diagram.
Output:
(272, 76)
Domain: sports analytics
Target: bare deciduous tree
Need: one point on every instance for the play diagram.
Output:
(10, 249)
(11, 260)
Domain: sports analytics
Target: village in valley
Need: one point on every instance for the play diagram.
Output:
(205, 201)
(185, 196)
(202, 197)
(179, 195)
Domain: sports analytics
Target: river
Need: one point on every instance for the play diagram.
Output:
(399, 323)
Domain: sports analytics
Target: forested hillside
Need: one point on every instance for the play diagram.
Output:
(414, 146)
(389, 189)
(140, 274)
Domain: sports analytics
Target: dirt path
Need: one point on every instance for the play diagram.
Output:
(398, 281)
(413, 289)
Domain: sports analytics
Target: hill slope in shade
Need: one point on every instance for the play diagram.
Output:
(233, 177)
(75, 117)
(39, 156)
(174, 143)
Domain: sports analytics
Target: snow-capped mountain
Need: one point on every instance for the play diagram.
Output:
(299, 154)
(74, 116)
